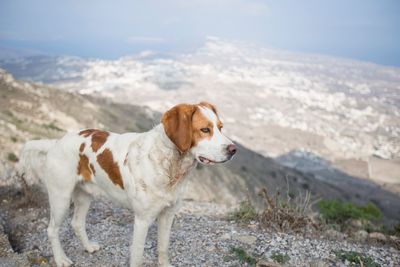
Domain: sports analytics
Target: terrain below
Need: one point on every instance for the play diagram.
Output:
(202, 235)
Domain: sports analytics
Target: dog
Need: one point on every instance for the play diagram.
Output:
(145, 172)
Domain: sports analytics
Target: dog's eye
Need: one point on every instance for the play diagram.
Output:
(205, 130)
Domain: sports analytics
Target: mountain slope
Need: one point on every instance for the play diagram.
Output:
(35, 111)
(274, 102)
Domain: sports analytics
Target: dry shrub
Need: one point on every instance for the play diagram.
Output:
(27, 194)
(287, 215)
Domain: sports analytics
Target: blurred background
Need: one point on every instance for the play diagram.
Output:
(309, 90)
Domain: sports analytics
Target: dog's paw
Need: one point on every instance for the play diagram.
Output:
(92, 247)
(63, 261)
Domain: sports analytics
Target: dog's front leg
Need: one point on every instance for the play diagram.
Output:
(164, 222)
(141, 226)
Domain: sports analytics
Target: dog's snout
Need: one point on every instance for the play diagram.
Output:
(231, 149)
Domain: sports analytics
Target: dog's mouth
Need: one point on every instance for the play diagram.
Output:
(207, 161)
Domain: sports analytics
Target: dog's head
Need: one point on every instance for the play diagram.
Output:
(196, 129)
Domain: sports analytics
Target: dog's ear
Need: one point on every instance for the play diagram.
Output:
(178, 125)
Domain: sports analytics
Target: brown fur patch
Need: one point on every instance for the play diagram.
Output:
(106, 161)
(98, 139)
(200, 121)
(87, 132)
(219, 124)
(82, 147)
(83, 168)
(178, 125)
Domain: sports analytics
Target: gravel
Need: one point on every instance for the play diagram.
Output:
(201, 236)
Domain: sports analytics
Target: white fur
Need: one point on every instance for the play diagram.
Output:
(152, 163)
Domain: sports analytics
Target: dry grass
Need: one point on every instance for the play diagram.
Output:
(287, 214)
(24, 193)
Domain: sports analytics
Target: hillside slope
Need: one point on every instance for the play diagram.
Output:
(297, 108)
(30, 111)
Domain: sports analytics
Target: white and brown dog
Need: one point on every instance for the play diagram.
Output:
(142, 171)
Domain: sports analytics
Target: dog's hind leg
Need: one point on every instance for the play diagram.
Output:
(59, 201)
(81, 206)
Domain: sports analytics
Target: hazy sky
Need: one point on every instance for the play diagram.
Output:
(361, 29)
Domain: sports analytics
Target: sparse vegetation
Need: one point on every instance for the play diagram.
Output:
(396, 229)
(281, 214)
(8, 113)
(12, 157)
(280, 257)
(355, 258)
(290, 214)
(392, 230)
(245, 213)
(39, 261)
(14, 139)
(52, 126)
(274, 174)
(243, 256)
(130, 129)
(334, 211)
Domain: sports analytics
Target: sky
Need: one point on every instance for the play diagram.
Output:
(366, 30)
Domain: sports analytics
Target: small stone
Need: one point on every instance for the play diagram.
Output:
(361, 235)
(319, 263)
(356, 223)
(225, 236)
(377, 236)
(333, 234)
(210, 248)
(247, 239)
(253, 226)
(267, 264)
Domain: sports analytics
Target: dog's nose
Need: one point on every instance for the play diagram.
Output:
(231, 149)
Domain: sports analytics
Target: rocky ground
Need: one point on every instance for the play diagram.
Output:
(202, 235)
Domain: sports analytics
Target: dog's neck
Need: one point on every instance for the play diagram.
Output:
(175, 165)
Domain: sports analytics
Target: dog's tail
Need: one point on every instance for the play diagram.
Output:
(33, 158)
